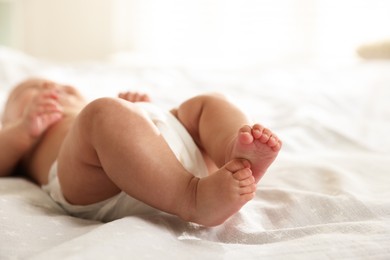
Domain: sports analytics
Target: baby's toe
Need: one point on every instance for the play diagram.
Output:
(273, 141)
(248, 181)
(257, 131)
(264, 138)
(243, 174)
(245, 135)
(236, 165)
(246, 129)
(248, 189)
(278, 146)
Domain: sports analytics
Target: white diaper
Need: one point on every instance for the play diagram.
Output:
(121, 205)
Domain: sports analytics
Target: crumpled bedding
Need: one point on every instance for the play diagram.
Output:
(327, 196)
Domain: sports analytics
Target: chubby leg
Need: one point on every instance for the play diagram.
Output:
(224, 132)
(113, 147)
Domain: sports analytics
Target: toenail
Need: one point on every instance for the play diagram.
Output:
(246, 128)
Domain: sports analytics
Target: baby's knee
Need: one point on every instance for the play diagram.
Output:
(105, 111)
(99, 107)
(195, 105)
(214, 95)
(209, 97)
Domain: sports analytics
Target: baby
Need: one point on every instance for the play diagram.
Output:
(114, 157)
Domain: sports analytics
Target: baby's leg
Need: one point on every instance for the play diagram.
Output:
(224, 132)
(112, 147)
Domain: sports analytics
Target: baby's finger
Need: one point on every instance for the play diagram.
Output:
(49, 93)
(50, 118)
(48, 106)
(144, 98)
(39, 123)
(135, 97)
(49, 110)
(125, 95)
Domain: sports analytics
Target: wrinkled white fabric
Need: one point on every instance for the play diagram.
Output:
(327, 196)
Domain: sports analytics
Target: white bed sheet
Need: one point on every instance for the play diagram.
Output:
(326, 197)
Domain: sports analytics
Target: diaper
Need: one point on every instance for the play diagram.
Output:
(121, 205)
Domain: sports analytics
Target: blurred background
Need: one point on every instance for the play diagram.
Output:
(199, 33)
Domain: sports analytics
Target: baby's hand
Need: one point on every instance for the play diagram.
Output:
(43, 112)
(134, 97)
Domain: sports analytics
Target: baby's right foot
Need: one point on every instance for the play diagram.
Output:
(220, 195)
(258, 145)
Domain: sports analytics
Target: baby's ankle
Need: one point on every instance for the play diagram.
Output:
(187, 207)
(230, 142)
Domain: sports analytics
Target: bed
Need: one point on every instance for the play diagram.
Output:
(327, 196)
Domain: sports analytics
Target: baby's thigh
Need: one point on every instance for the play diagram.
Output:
(82, 179)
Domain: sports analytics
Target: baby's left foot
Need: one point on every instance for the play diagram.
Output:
(258, 145)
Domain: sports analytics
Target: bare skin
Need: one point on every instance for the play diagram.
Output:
(37, 116)
(257, 144)
(110, 146)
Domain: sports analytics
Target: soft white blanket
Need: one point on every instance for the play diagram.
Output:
(327, 196)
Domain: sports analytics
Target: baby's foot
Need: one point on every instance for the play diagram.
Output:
(220, 195)
(258, 145)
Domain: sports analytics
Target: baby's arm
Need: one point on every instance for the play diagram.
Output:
(14, 143)
(17, 138)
